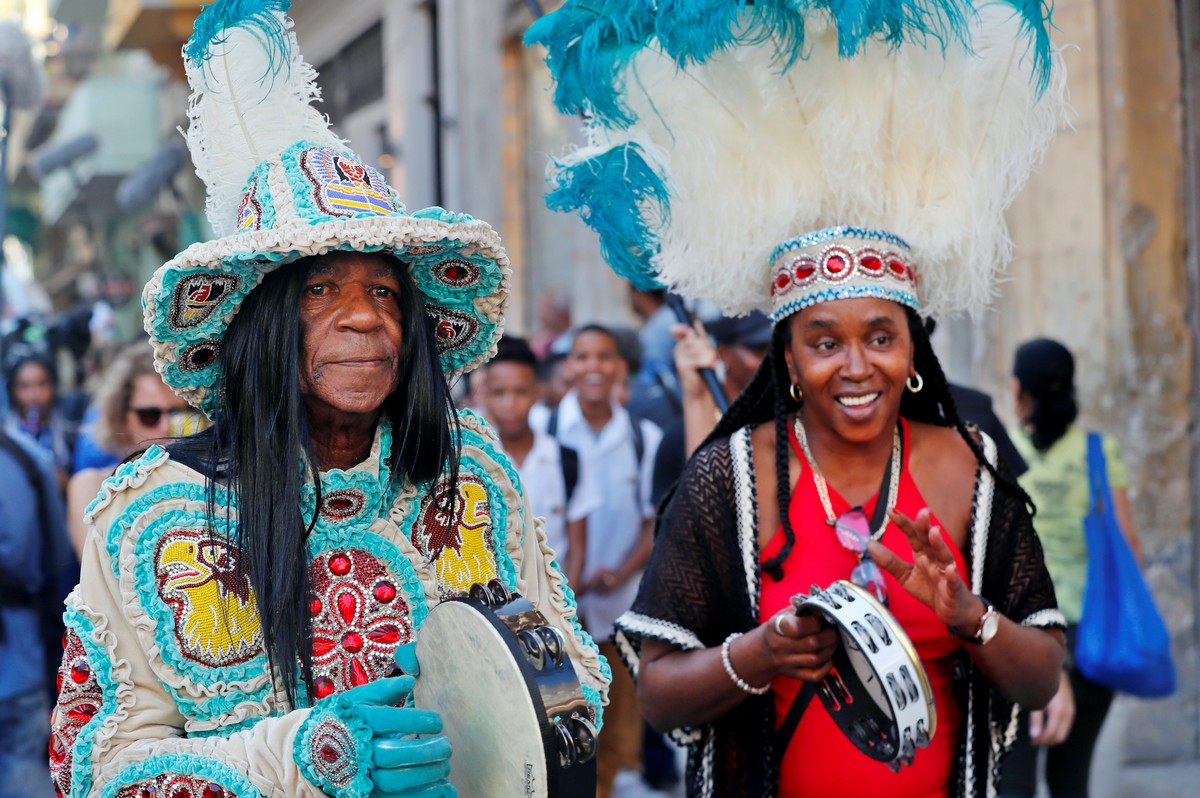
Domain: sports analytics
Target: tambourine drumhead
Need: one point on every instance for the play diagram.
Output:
(877, 693)
(494, 730)
(509, 698)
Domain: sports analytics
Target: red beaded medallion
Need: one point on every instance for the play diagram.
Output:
(359, 619)
(79, 700)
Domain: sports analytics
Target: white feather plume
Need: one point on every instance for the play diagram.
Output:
(248, 104)
(931, 146)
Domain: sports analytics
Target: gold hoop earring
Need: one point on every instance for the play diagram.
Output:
(915, 387)
(796, 392)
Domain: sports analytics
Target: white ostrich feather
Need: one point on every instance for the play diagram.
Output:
(931, 146)
(251, 99)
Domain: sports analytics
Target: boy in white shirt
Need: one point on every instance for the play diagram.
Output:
(556, 481)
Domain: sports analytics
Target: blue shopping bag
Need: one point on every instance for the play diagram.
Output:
(1122, 642)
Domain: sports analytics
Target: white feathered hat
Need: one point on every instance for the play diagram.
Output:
(771, 155)
(281, 187)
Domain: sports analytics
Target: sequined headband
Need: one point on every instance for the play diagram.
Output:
(841, 263)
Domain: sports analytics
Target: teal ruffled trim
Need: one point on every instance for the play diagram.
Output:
(186, 491)
(101, 665)
(838, 234)
(589, 693)
(125, 475)
(159, 766)
(372, 480)
(442, 215)
(334, 721)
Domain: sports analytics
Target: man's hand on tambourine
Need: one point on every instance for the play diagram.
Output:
(403, 765)
(800, 646)
(932, 577)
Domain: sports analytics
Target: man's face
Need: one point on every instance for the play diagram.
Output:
(594, 366)
(351, 335)
(509, 391)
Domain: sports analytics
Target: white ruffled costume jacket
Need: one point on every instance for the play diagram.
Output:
(163, 686)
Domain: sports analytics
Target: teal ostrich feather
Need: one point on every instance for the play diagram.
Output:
(257, 16)
(588, 44)
(1035, 24)
(620, 196)
(896, 22)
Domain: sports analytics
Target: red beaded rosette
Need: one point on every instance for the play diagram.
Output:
(79, 700)
(359, 618)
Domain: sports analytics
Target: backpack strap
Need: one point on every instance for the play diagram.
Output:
(568, 458)
(552, 424)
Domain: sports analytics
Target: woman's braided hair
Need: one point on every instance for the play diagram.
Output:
(767, 398)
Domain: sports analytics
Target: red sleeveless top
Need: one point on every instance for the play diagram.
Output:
(821, 761)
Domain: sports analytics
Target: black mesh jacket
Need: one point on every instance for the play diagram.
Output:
(702, 583)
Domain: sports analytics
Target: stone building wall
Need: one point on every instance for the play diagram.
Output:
(1100, 266)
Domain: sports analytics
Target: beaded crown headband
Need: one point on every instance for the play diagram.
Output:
(718, 129)
(281, 186)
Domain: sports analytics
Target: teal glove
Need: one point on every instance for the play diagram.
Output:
(406, 659)
(361, 743)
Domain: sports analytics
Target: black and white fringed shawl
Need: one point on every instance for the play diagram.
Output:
(702, 583)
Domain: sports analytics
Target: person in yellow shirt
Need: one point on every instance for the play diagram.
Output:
(1057, 481)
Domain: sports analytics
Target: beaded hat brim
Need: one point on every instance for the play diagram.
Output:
(457, 264)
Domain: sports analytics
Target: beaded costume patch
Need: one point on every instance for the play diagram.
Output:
(343, 186)
(458, 542)
(216, 619)
(359, 618)
(80, 699)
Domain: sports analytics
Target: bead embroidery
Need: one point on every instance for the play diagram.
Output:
(175, 785)
(359, 618)
(197, 296)
(197, 356)
(79, 700)
(216, 619)
(340, 505)
(453, 329)
(456, 273)
(343, 186)
(333, 752)
(250, 210)
(459, 543)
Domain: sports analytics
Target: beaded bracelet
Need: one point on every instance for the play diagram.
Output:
(742, 684)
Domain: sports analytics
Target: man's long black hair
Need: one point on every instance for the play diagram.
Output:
(261, 429)
(767, 398)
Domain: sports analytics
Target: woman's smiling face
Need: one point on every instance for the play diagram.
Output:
(851, 357)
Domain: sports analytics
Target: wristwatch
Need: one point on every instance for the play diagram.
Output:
(989, 624)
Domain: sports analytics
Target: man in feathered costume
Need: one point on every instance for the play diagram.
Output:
(244, 591)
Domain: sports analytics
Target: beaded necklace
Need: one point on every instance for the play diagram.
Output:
(823, 489)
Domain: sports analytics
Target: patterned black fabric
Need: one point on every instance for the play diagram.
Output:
(695, 584)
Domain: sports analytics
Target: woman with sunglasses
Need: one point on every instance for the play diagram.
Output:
(845, 458)
(135, 409)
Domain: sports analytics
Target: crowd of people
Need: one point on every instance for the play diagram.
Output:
(256, 509)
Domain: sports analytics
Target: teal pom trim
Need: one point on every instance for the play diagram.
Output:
(101, 665)
(624, 200)
(339, 716)
(589, 43)
(256, 16)
(838, 233)
(192, 765)
(844, 292)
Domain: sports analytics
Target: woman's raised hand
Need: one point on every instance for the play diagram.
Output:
(932, 577)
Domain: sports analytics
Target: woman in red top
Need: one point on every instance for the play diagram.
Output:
(851, 378)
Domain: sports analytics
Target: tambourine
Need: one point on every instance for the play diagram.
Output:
(510, 702)
(877, 692)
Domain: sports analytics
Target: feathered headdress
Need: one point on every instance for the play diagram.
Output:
(281, 186)
(719, 130)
